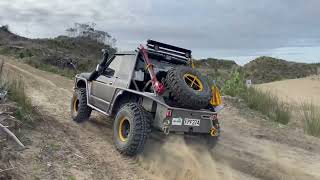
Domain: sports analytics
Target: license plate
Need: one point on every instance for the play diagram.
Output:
(191, 122)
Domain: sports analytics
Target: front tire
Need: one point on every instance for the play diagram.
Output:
(80, 111)
(130, 131)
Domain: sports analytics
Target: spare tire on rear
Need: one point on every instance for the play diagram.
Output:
(188, 88)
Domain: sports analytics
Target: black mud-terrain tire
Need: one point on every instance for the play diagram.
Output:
(80, 111)
(131, 143)
(182, 94)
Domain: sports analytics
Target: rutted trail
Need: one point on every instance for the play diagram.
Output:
(250, 147)
(52, 93)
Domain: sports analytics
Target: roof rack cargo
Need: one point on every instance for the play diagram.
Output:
(168, 49)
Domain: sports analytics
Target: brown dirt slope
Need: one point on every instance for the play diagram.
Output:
(51, 93)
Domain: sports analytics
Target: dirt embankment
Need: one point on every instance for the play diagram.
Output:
(250, 146)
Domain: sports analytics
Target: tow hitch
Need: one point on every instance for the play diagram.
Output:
(166, 125)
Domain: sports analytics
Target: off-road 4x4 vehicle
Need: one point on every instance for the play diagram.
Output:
(153, 88)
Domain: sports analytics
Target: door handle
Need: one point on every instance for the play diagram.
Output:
(110, 83)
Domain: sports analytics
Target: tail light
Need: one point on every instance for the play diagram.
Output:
(169, 113)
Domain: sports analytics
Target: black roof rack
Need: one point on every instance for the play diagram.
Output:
(168, 49)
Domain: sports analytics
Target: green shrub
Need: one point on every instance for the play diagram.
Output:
(21, 55)
(310, 116)
(264, 102)
(235, 85)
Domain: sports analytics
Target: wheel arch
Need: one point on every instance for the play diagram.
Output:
(81, 83)
(125, 96)
(122, 97)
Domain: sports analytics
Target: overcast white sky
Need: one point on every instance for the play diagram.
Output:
(234, 29)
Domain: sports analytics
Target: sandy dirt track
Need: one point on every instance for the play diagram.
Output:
(296, 90)
(250, 146)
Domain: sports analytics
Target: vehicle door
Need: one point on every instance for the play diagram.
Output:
(117, 74)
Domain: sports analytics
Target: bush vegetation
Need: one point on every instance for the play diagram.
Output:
(235, 85)
(267, 69)
(61, 55)
(264, 102)
(70, 73)
(310, 116)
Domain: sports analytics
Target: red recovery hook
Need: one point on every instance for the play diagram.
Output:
(158, 86)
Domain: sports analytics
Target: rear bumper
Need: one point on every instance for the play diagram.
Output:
(185, 120)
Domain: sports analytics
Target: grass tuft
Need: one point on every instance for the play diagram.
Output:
(16, 92)
(310, 116)
(268, 104)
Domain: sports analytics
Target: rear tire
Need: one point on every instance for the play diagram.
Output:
(211, 141)
(188, 88)
(130, 129)
(80, 111)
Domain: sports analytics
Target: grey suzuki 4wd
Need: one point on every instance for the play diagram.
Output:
(150, 89)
